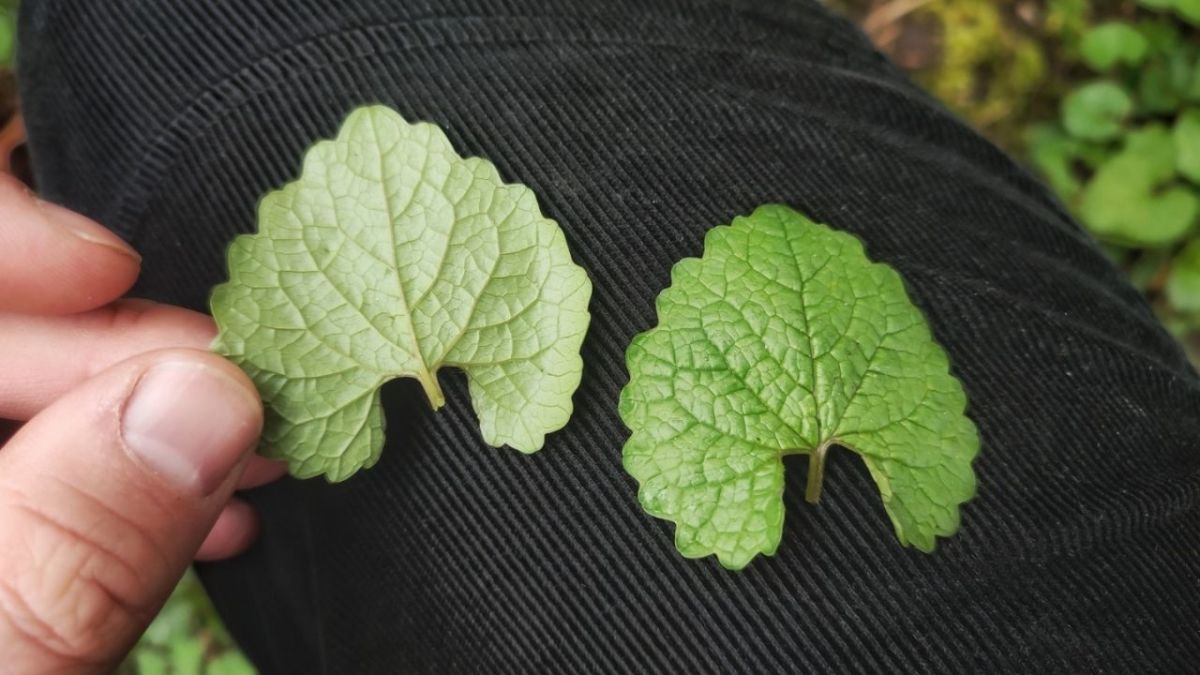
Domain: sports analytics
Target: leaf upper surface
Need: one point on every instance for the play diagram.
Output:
(1096, 111)
(782, 339)
(1132, 198)
(392, 256)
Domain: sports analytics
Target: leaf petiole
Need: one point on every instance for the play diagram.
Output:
(433, 390)
(816, 473)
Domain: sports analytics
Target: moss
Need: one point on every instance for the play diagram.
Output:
(990, 65)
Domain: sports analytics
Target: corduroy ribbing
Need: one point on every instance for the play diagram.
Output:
(640, 125)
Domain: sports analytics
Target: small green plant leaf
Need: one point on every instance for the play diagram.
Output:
(1155, 93)
(1111, 43)
(1183, 285)
(1162, 35)
(786, 339)
(1096, 111)
(1191, 91)
(391, 256)
(1189, 10)
(8, 33)
(1132, 200)
(1187, 144)
(1054, 153)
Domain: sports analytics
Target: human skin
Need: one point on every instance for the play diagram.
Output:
(133, 442)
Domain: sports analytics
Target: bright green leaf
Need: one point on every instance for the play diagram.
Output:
(146, 662)
(784, 339)
(186, 657)
(390, 257)
(8, 32)
(1187, 144)
(1183, 285)
(230, 663)
(1096, 111)
(1111, 43)
(1157, 4)
(1131, 200)
(1154, 145)
(1053, 153)
(1189, 10)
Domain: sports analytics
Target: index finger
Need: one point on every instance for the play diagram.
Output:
(55, 261)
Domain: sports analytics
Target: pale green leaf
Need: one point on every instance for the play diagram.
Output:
(784, 339)
(1054, 153)
(1096, 111)
(391, 257)
(1183, 285)
(1108, 44)
(1132, 200)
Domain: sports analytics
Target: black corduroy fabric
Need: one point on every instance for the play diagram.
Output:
(640, 125)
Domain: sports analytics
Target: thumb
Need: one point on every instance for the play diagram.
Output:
(105, 497)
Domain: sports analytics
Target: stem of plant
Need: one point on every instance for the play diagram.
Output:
(816, 473)
(433, 390)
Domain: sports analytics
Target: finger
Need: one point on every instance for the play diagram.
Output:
(55, 261)
(234, 531)
(260, 471)
(105, 498)
(42, 357)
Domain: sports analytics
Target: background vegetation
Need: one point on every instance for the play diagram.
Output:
(1100, 97)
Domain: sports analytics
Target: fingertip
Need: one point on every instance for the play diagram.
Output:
(193, 419)
(88, 230)
(235, 530)
(203, 357)
(57, 261)
(44, 357)
(260, 471)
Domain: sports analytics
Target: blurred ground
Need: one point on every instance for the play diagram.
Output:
(1000, 64)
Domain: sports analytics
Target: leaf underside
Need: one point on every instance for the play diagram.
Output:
(391, 256)
(785, 338)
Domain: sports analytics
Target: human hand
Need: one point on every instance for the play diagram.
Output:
(136, 440)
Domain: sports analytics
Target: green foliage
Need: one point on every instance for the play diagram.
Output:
(1055, 152)
(1113, 43)
(1188, 10)
(186, 638)
(1133, 198)
(784, 338)
(8, 32)
(1183, 286)
(1096, 111)
(1125, 154)
(392, 256)
(1187, 144)
(986, 70)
